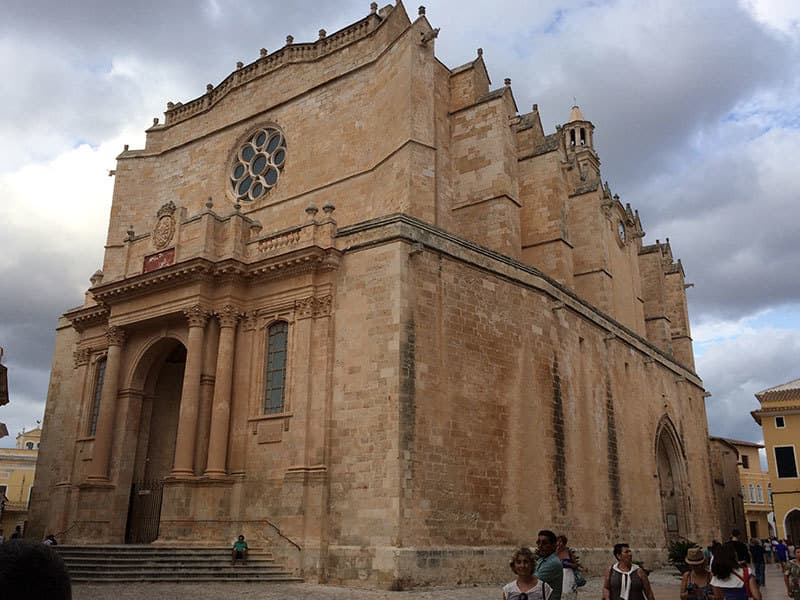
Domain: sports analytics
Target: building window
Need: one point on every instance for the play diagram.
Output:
(100, 375)
(257, 164)
(744, 496)
(752, 494)
(779, 423)
(760, 494)
(28, 445)
(785, 462)
(275, 370)
(745, 461)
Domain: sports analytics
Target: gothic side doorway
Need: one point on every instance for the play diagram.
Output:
(671, 482)
(158, 426)
(791, 525)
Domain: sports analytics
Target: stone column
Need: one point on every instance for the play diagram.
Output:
(190, 396)
(101, 452)
(221, 410)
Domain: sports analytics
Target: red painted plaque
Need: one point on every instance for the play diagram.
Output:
(159, 260)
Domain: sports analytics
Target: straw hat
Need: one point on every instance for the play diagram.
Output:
(695, 556)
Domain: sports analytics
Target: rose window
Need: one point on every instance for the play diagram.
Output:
(258, 164)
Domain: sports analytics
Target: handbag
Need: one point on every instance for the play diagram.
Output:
(580, 580)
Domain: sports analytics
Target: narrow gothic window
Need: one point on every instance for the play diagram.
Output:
(572, 138)
(583, 136)
(275, 375)
(98, 391)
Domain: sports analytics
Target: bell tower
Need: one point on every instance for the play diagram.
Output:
(578, 139)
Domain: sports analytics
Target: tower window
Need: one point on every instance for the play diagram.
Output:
(779, 423)
(583, 136)
(100, 375)
(29, 445)
(572, 138)
(745, 461)
(275, 369)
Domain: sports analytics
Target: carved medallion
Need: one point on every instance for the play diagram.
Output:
(165, 225)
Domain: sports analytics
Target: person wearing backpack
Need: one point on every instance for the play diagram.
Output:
(730, 580)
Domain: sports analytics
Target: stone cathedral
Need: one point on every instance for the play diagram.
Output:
(357, 306)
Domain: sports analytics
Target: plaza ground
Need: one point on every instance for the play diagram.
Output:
(666, 585)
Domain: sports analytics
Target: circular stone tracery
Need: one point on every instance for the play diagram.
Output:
(258, 164)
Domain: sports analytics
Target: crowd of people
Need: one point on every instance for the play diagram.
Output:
(720, 572)
(553, 572)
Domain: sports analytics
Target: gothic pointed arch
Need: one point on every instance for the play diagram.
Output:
(670, 459)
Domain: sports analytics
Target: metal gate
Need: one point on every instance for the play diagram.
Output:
(145, 511)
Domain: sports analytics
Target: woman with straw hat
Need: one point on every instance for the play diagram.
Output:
(696, 582)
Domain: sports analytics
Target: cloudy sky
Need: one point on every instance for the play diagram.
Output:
(696, 105)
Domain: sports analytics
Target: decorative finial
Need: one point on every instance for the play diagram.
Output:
(239, 64)
(131, 233)
(209, 87)
(328, 208)
(421, 11)
(96, 278)
(311, 211)
(289, 40)
(125, 148)
(209, 203)
(507, 81)
(170, 105)
(155, 120)
(480, 51)
(322, 34)
(263, 52)
(373, 8)
(535, 107)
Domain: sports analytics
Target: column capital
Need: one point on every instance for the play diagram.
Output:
(197, 315)
(228, 315)
(81, 356)
(115, 335)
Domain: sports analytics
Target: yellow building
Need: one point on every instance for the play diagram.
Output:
(755, 488)
(779, 417)
(17, 468)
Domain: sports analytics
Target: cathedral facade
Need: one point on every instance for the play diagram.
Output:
(357, 306)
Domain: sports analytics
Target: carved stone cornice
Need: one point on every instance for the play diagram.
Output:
(84, 317)
(307, 260)
(228, 315)
(197, 315)
(81, 356)
(115, 336)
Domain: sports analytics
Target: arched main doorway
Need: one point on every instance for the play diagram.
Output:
(671, 481)
(161, 370)
(791, 525)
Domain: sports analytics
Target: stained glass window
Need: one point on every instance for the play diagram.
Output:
(275, 369)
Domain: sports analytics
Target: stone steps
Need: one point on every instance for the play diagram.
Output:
(141, 563)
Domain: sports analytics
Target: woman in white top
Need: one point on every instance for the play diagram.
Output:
(526, 586)
(730, 581)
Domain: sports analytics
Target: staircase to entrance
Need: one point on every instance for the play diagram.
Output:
(153, 563)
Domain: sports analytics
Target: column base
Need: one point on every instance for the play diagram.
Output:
(181, 474)
(96, 482)
(215, 474)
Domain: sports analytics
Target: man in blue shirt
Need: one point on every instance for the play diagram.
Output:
(548, 565)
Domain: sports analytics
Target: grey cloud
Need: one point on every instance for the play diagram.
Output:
(735, 370)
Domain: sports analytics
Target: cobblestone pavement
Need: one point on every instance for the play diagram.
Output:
(665, 585)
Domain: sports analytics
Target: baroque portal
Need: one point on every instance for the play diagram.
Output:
(351, 358)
